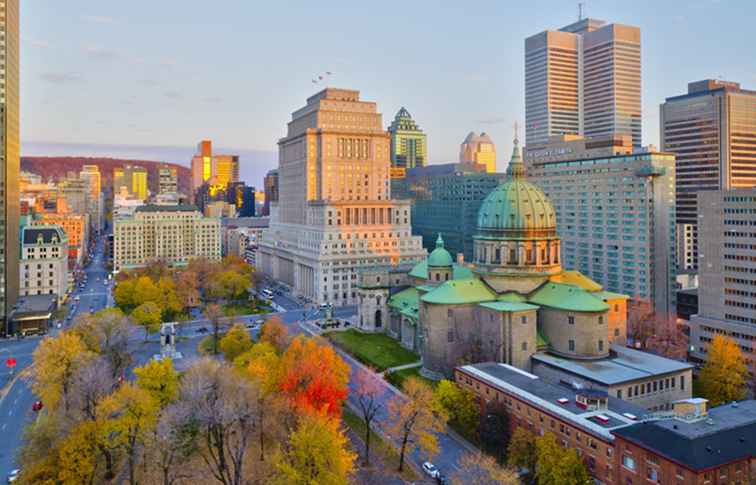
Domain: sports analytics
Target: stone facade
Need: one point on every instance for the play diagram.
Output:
(44, 261)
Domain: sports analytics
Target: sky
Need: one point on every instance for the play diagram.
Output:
(150, 78)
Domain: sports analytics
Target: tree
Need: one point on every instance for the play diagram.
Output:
(494, 429)
(314, 377)
(724, 376)
(159, 379)
(228, 285)
(416, 418)
(145, 290)
(263, 365)
(460, 404)
(214, 313)
(172, 444)
(521, 452)
(235, 342)
(275, 333)
(187, 288)
(106, 333)
(170, 303)
(369, 392)
(222, 404)
(148, 315)
(78, 455)
(55, 362)
(316, 453)
(123, 293)
(481, 469)
(130, 414)
(558, 466)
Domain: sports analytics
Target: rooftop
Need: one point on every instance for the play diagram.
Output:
(567, 297)
(454, 292)
(727, 434)
(555, 399)
(167, 208)
(33, 234)
(623, 365)
(34, 306)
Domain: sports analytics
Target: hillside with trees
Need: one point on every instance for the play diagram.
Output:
(57, 167)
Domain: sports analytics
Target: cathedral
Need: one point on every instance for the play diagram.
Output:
(512, 301)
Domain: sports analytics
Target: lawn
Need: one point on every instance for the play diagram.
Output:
(236, 309)
(397, 378)
(374, 349)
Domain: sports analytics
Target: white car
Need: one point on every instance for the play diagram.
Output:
(13, 475)
(431, 470)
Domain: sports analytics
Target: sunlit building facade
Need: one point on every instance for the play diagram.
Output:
(216, 170)
(478, 149)
(583, 79)
(131, 180)
(334, 212)
(9, 156)
(409, 145)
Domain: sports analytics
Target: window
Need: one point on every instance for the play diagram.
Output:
(616, 332)
(524, 319)
(571, 320)
(628, 462)
(682, 382)
(572, 345)
(652, 474)
(601, 320)
(601, 345)
(524, 346)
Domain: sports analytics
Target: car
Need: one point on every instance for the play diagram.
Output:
(431, 470)
(78, 298)
(91, 310)
(13, 475)
(259, 322)
(202, 330)
(325, 306)
(37, 406)
(251, 325)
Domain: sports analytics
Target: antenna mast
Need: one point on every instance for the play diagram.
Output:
(580, 10)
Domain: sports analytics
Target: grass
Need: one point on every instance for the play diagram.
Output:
(379, 448)
(236, 309)
(374, 349)
(397, 378)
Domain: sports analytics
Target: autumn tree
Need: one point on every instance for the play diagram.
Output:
(172, 444)
(214, 314)
(460, 404)
(148, 316)
(369, 393)
(482, 469)
(170, 303)
(145, 290)
(416, 418)
(724, 376)
(275, 333)
(159, 379)
(228, 285)
(494, 429)
(313, 377)
(187, 288)
(316, 452)
(235, 342)
(556, 465)
(130, 414)
(222, 404)
(106, 332)
(55, 362)
(262, 365)
(521, 452)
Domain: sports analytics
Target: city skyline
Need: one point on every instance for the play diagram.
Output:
(154, 80)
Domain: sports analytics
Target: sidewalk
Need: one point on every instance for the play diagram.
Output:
(419, 363)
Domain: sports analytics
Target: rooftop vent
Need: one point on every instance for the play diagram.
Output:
(630, 416)
(563, 400)
(603, 418)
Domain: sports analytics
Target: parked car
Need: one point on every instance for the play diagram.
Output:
(13, 475)
(431, 470)
(202, 330)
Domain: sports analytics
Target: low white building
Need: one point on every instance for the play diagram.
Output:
(43, 268)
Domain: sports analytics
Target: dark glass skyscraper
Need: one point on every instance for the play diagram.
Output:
(409, 145)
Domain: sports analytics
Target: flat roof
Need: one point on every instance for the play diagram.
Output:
(35, 306)
(726, 434)
(167, 208)
(546, 396)
(623, 365)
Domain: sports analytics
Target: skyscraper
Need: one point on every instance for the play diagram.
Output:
(91, 175)
(167, 180)
(409, 145)
(478, 149)
(217, 170)
(334, 212)
(132, 179)
(270, 186)
(712, 130)
(583, 79)
(9, 157)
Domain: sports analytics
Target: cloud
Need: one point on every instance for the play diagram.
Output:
(493, 121)
(60, 77)
(98, 19)
(98, 53)
(173, 95)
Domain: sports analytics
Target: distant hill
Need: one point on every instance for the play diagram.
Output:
(54, 168)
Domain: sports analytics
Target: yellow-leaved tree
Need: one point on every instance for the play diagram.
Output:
(159, 379)
(55, 362)
(415, 418)
(724, 376)
(235, 342)
(316, 453)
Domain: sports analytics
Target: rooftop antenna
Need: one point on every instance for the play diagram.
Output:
(515, 131)
(580, 10)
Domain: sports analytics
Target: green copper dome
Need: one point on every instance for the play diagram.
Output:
(440, 257)
(516, 206)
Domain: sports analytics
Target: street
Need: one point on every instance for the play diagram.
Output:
(16, 403)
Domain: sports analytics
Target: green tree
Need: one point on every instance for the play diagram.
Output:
(460, 404)
(495, 429)
(521, 452)
(236, 342)
(556, 465)
(317, 453)
(147, 315)
(159, 379)
(724, 377)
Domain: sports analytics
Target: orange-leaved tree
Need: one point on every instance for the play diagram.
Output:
(314, 378)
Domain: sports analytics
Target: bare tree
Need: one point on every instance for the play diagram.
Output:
(222, 403)
(107, 333)
(214, 313)
(172, 443)
(369, 393)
